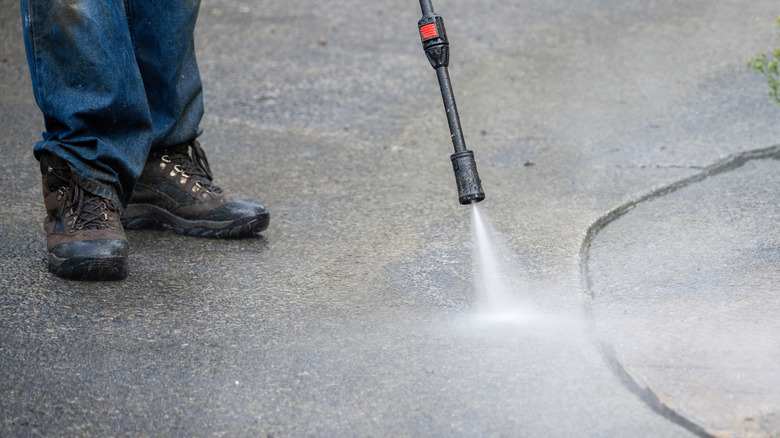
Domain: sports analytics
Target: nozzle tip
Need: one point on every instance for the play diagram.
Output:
(471, 198)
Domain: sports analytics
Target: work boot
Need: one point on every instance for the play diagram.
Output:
(176, 192)
(84, 237)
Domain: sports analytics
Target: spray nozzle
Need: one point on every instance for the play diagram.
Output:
(436, 46)
(467, 178)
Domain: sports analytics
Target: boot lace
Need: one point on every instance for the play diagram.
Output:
(190, 161)
(88, 211)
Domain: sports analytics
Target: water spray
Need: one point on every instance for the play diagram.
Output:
(437, 49)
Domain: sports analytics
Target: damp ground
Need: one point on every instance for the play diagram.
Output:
(353, 315)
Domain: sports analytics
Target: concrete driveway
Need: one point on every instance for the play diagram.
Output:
(630, 164)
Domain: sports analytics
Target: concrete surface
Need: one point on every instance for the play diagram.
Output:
(607, 135)
(690, 318)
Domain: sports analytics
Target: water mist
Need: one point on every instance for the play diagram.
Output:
(500, 291)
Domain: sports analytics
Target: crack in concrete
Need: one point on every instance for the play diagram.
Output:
(661, 166)
(646, 394)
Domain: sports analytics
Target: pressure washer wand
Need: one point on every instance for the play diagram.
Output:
(437, 49)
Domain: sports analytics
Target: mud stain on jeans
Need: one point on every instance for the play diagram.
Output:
(67, 15)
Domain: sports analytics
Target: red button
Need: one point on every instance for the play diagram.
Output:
(429, 31)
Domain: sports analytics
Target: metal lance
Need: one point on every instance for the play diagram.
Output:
(437, 49)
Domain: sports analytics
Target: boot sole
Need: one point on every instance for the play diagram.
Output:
(146, 216)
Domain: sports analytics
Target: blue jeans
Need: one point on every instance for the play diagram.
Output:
(114, 79)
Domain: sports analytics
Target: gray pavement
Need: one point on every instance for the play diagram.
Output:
(629, 160)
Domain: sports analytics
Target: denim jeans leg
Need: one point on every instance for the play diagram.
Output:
(88, 86)
(162, 34)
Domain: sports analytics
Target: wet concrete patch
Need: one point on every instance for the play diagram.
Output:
(685, 297)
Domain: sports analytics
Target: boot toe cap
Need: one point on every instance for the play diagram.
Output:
(238, 210)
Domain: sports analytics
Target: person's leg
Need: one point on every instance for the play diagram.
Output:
(98, 129)
(89, 89)
(162, 32)
(176, 188)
